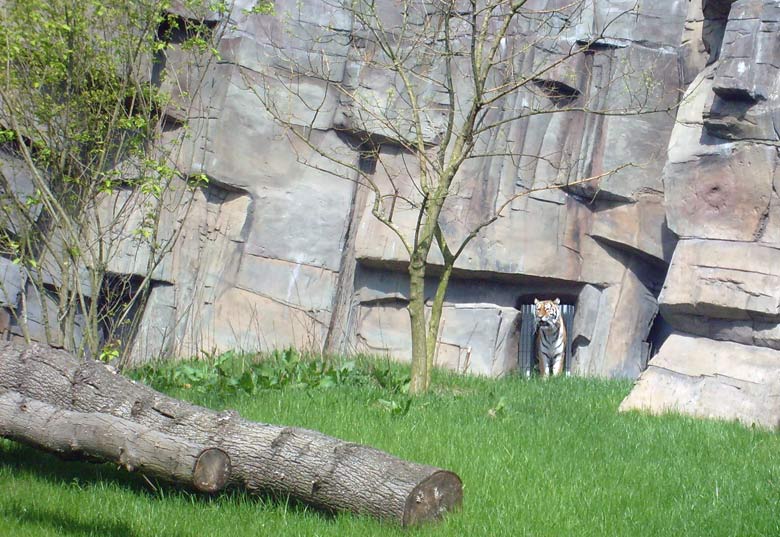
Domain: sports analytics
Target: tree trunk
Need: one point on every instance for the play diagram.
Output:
(308, 465)
(420, 372)
(104, 437)
(435, 317)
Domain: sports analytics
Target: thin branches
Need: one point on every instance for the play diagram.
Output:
(450, 69)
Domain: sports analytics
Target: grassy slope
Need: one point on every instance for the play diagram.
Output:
(557, 460)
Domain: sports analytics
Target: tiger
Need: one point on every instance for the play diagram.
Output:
(550, 344)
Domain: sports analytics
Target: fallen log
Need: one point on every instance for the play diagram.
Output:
(98, 436)
(317, 469)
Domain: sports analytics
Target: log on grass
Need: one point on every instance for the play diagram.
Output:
(98, 436)
(315, 468)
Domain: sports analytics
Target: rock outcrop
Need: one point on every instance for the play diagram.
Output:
(722, 291)
(711, 379)
(281, 248)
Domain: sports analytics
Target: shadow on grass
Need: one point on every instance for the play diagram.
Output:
(65, 524)
(22, 460)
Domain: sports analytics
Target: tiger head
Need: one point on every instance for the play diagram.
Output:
(548, 312)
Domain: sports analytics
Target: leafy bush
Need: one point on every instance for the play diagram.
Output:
(230, 373)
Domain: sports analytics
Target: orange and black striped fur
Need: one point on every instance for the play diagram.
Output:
(550, 345)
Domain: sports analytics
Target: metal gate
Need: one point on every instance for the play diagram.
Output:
(526, 361)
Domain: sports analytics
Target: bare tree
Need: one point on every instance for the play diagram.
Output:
(457, 78)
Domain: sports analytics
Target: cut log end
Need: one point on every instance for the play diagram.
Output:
(212, 470)
(438, 494)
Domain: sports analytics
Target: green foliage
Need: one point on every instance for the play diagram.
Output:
(500, 410)
(7, 136)
(70, 87)
(198, 180)
(83, 100)
(110, 351)
(396, 407)
(230, 373)
(261, 7)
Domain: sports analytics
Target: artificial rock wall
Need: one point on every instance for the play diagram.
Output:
(276, 252)
(722, 291)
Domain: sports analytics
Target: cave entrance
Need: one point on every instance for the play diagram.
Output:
(526, 361)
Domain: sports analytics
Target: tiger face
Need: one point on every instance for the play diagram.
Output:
(548, 312)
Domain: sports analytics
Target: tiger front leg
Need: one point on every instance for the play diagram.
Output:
(558, 365)
(544, 366)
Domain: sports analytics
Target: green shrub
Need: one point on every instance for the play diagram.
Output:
(230, 373)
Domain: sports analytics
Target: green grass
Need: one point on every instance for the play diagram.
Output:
(556, 460)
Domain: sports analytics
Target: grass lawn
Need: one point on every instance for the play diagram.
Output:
(537, 459)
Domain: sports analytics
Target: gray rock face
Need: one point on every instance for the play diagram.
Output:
(281, 248)
(611, 328)
(640, 227)
(745, 87)
(16, 180)
(41, 320)
(156, 334)
(724, 290)
(723, 279)
(11, 283)
(264, 252)
(479, 339)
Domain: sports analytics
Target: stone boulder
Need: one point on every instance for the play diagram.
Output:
(638, 227)
(611, 326)
(708, 193)
(724, 290)
(723, 279)
(711, 379)
(158, 327)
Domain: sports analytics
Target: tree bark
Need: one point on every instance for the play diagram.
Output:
(435, 317)
(104, 437)
(420, 372)
(320, 470)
